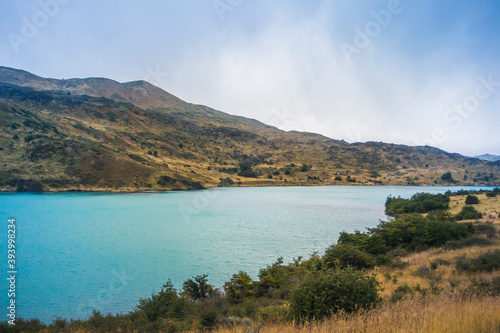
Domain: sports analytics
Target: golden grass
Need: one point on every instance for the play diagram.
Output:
(444, 274)
(443, 313)
(490, 207)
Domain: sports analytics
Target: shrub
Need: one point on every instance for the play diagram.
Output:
(198, 289)
(165, 304)
(239, 287)
(305, 167)
(487, 229)
(344, 255)
(447, 177)
(418, 203)
(491, 194)
(468, 213)
(485, 262)
(473, 240)
(208, 319)
(400, 292)
(246, 170)
(338, 178)
(324, 293)
(471, 199)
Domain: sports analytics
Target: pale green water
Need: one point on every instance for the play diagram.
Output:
(78, 252)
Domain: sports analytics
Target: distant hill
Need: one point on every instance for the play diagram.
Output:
(489, 157)
(102, 135)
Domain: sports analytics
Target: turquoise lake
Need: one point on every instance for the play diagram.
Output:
(77, 252)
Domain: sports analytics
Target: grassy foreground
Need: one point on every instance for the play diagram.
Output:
(448, 312)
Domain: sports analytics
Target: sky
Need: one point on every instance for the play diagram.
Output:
(415, 72)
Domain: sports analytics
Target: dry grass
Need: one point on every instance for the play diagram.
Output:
(489, 207)
(443, 313)
(445, 276)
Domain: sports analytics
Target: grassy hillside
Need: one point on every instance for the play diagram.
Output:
(98, 134)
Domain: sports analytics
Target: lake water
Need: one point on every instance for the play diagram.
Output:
(82, 251)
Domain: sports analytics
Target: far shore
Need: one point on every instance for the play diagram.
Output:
(243, 185)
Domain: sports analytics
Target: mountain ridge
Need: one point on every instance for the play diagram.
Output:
(98, 134)
(488, 157)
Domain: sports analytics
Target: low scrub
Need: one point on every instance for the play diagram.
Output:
(485, 262)
(327, 292)
(468, 213)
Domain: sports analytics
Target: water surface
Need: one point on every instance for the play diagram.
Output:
(82, 251)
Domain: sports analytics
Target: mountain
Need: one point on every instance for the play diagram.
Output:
(101, 135)
(489, 157)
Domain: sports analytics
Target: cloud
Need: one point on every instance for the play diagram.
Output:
(293, 74)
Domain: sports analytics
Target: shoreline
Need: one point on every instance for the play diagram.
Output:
(241, 186)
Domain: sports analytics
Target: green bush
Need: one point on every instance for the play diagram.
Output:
(324, 293)
(485, 262)
(418, 203)
(305, 167)
(165, 304)
(487, 229)
(447, 177)
(468, 213)
(473, 240)
(345, 255)
(412, 232)
(246, 170)
(471, 199)
(198, 288)
(239, 287)
(208, 319)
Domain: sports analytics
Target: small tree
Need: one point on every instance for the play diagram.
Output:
(239, 287)
(305, 168)
(468, 213)
(323, 293)
(166, 303)
(198, 289)
(344, 255)
(471, 199)
(447, 177)
(246, 170)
